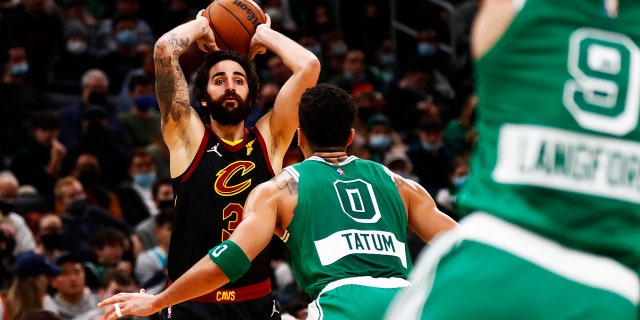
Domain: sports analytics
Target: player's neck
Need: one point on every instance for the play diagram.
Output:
(332, 156)
(228, 132)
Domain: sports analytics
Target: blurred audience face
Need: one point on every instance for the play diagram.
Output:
(71, 193)
(95, 90)
(87, 169)
(16, 65)
(280, 72)
(71, 281)
(143, 170)
(50, 231)
(354, 65)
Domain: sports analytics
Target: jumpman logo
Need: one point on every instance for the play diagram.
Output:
(275, 310)
(215, 149)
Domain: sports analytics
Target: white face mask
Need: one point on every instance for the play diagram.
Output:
(77, 47)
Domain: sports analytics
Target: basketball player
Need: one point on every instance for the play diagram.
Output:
(555, 189)
(344, 220)
(214, 165)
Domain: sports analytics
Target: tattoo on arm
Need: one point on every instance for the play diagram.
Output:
(171, 86)
(284, 180)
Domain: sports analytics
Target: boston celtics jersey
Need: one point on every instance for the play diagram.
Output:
(349, 221)
(558, 126)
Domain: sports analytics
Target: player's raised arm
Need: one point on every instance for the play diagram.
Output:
(182, 129)
(278, 126)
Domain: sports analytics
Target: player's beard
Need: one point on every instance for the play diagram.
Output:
(225, 112)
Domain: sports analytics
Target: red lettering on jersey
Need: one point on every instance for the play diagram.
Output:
(225, 175)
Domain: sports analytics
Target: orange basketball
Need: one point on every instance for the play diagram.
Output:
(234, 22)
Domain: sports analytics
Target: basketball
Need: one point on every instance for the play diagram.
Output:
(234, 22)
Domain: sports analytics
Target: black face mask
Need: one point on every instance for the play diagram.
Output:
(51, 241)
(77, 208)
(96, 131)
(7, 207)
(7, 244)
(165, 204)
(98, 98)
(88, 176)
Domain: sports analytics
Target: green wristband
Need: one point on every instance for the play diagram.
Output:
(231, 259)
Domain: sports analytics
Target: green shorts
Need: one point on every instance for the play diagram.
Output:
(359, 298)
(490, 269)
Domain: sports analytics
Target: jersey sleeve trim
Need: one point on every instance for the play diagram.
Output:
(265, 151)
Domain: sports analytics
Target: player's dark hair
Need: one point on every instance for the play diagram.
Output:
(326, 116)
(202, 74)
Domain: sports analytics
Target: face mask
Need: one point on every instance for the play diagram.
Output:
(354, 78)
(388, 60)
(96, 131)
(7, 207)
(379, 141)
(88, 176)
(339, 49)
(165, 204)
(20, 69)
(459, 181)
(431, 146)
(426, 49)
(51, 241)
(145, 180)
(145, 103)
(99, 98)
(77, 208)
(76, 47)
(127, 38)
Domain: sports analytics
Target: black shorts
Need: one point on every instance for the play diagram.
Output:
(267, 308)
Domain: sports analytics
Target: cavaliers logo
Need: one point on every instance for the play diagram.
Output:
(238, 168)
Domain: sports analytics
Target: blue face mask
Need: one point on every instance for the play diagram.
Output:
(379, 141)
(431, 146)
(127, 38)
(145, 103)
(388, 60)
(426, 49)
(145, 180)
(19, 69)
(459, 181)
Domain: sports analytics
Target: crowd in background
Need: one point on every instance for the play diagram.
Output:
(85, 195)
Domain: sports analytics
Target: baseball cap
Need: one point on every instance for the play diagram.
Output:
(378, 119)
(33, 264)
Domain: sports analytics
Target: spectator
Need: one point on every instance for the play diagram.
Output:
(163, 197)
(69, 64)
(115, 281)
(39, 161)
(39, 31)
(94, 92)
(48, 234)
(158, 148)
(109, 246)
(142, 121)
(12, 224)
(355, 76)
(88, 171)
(135, 194)
(459, 133)
(97, 138)
(126, 55)
(430, 156)
(151, 265)
(19, 98)
(80, 221)
(446, 197)
(109, 36)
(28, 289)
(72, 296)
(382, 138)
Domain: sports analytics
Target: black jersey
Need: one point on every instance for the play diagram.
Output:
(210, 199)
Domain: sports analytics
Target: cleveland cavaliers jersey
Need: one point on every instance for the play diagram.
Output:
(349, 221)
(210, 196)
(558, 126)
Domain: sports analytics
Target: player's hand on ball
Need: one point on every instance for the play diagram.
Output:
(207, 41)
(255, 47)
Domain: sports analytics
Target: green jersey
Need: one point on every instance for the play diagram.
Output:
(559, 102)
(349, 222)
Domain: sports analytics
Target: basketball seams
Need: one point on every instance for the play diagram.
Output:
(235, 17)
(215, 32)
(256, 8)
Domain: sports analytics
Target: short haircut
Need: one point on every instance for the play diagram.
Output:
(165, 216)
(211, 59)
(92, 73)
(157, 184)
(108, 236)
(326, 116)
(46, 120)
(62, 182)
(119, 277)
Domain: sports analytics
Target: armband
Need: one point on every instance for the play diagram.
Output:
(231, 259)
